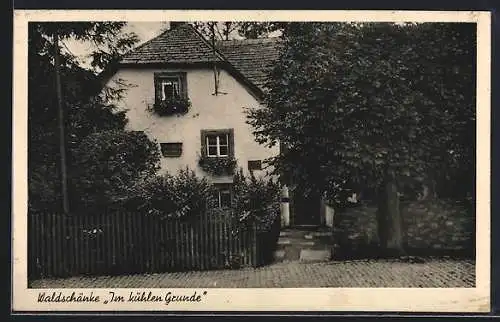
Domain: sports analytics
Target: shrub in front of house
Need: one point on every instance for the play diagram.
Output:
(217, 166)
(255, 199)
(180, 196)
(178, 105)
(184, 196)
(256, 202)
(107, 164)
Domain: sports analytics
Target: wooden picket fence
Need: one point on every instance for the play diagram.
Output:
(124, 243)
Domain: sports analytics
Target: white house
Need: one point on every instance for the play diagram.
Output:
(181, 66)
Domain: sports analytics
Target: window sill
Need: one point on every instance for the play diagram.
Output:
(218, 157)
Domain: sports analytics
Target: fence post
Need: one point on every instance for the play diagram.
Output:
(254, 244)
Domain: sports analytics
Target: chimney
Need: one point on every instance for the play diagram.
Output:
(175, 24)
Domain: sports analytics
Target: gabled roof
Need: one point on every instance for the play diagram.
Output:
(254, 58)
(249, 59)
(183, 44)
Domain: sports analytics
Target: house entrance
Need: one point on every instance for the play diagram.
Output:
(305, 209)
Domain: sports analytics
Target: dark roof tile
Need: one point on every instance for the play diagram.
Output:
(252, 58)
(182, 44)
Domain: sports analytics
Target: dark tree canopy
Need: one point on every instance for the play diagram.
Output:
(86, 112)
(348, 101)
(373, 107)
(226, 30)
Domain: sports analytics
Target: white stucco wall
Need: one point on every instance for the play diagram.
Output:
(207, 112)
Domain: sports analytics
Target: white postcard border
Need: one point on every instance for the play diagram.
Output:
(283, 299)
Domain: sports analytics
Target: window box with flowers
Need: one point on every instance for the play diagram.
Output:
(172, 106)
(217, 152)
(170, 94)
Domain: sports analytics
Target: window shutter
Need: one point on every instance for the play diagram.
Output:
(157, 84)
(231, 142)
(183, 85)
(203, 135)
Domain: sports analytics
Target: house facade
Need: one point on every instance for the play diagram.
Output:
(191, 98)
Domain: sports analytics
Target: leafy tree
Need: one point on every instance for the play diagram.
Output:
(108, 39)
(371, 106)
(85, 110)
(254, 30)
(226, 30)
(220, 30)
(106, 164)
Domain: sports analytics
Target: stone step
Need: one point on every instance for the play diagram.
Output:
(321, 233)
(305, 234)
(310, 255)
(289, 255)
(293, 233)
(305, 245)
(302, 255)
(307, 227)
(295, 242)
(279, 255)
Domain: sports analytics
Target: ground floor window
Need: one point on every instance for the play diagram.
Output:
(223, 195)
(217, 143)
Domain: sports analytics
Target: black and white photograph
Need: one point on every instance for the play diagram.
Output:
(217, 155)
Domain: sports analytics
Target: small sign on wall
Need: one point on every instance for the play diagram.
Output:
(254, 165)
(171, 149)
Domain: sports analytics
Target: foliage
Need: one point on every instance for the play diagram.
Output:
(172, 106)
(183, 195)
(86, 111)
(253, 30)
(107, 163)
(217, 166)
(218, 30)
(256, 199)
(226, 30)
(349, 101)
(108, 38)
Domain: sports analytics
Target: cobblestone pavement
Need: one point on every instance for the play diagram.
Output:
(379, 273)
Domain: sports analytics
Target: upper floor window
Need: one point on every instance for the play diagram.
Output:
(170, 86)
(170, 89)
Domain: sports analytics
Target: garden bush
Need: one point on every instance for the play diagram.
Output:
(256, 201)
(107, 164)
(182, 195)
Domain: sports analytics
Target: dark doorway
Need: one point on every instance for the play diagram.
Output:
(305, 208)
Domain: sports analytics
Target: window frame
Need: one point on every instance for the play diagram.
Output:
(161, 77)
(254, 165)
(171, 155)
(219, 187)
(205, 134)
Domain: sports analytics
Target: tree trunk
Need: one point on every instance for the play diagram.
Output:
(62, 139)
(389, 218)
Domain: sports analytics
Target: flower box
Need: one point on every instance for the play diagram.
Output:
(218, 166)
(172, 106)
